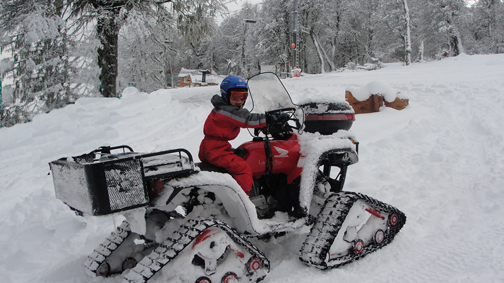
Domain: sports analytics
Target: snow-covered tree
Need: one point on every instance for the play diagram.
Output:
(354, 30)
(450, 13)
(487, 26)
(313, 21)
(145, 44)
(34, 33)
(231, 45)
(336, 24)
(407, 37)
(111, 15)
(274, 33)
(398, 20)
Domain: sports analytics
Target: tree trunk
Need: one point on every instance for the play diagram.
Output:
(456, 46)
(421, 50)
(407, 37)
(329, 61)
(108, 34)
(319, 52)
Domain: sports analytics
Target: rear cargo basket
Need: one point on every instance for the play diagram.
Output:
(100, 188)
(328, 117)
(114, 182)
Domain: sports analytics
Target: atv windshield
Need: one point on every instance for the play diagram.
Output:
(268, 93)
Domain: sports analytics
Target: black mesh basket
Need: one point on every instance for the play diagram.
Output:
(101, 183)
(100, 187)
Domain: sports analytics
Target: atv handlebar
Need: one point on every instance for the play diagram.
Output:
(277, 117)
(277, 123)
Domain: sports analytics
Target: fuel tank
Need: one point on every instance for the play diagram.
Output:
(285, 153)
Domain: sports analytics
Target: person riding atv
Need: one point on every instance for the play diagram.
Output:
(223, 124)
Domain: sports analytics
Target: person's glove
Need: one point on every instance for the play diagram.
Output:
(277, 117)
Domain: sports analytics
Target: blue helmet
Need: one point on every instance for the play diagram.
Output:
(232, 82)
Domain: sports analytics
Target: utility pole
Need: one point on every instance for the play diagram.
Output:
(246, 22)
(294, 35)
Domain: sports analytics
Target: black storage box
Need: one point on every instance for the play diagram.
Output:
(328, 117)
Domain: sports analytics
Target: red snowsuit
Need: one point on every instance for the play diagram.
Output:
(223, 124)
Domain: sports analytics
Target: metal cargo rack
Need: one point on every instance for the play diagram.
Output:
(102, 182)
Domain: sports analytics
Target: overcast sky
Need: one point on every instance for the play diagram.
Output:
(236, 5)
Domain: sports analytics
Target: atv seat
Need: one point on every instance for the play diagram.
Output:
(205, 166)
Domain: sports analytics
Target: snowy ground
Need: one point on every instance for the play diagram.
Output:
(440, 161)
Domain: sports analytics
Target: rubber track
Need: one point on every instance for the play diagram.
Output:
(331, 217)
(110, 244)
(170, 248)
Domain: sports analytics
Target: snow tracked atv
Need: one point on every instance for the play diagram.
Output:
(191, 222)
